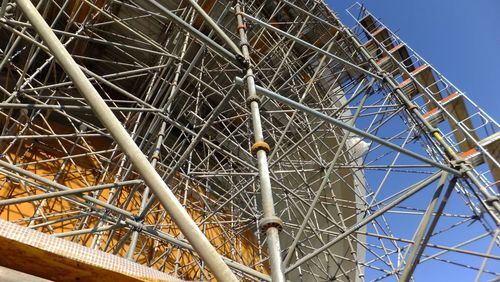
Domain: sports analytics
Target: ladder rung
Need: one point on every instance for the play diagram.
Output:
(386, 63)
(414, 73)
(449, 98)
(370, 45)
(405, 82)
(419, 69)
(409, 87)
(443, 102)
(383, 36)
(378, 31)
(382, 60)
(431, 112)
(396, 48)
(468, 154)
(473, 156)
(368, 22)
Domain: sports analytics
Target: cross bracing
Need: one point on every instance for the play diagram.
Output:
(264, 139)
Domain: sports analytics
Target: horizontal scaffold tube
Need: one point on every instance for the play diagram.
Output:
(270, 94)
(142, 165)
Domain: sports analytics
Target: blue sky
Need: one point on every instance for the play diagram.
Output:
(461, 38)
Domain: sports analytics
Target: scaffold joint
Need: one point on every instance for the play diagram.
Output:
(244, 43)
(156, 155)
(345, 30)
(490, 200)
(241, 26)
(252, 98)
(260, 145)
(138, 228)
(243, 63)
(461, 165)
(10, 10)
(271, 221)
(411, 107)
(433, 130)
(383, 74)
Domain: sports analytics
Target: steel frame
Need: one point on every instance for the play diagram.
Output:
(250, 140)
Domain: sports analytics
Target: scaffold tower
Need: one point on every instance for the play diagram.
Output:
(210, 140)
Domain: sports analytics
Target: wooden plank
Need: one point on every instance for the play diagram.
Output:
(56, 259)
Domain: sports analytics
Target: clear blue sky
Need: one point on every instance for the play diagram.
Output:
(461, 38)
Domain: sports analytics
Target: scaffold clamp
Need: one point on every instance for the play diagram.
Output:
(461, 165)
(253, 98)
(260, 145)
(489, 201)
(272, 221)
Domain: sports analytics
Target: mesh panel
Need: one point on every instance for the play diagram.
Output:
(80, 253)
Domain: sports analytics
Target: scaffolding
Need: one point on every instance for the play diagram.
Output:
(237, 140)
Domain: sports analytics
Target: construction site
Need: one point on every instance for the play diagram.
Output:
(210, 140)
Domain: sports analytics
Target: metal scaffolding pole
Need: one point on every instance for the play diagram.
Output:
(196, 93)
(493, 203)
(324, 183)
(269, 223)
(154, 181)
(414, 189)
(216, 28)
(426, 227)
(65, 193)
(273, 95)
(233, 58)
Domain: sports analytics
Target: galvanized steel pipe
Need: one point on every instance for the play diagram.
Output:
(154, 181)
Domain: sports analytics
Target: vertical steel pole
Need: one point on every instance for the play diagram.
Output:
(491, 202)
(422, 239)
(151, 177)
(3, 8)
(410, 191)
(216, 27)
(324, 183)
(145, 194)
(270, 223)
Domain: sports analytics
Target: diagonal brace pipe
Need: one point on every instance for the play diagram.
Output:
(151, 177)
(216, 28)
(409, 192)
(272, 95)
